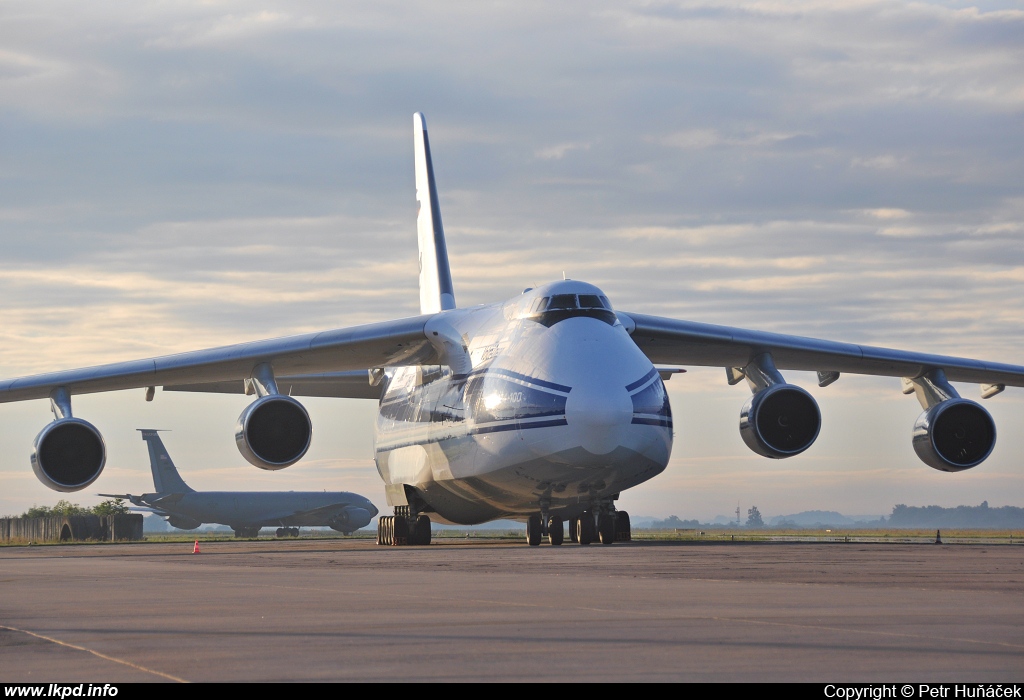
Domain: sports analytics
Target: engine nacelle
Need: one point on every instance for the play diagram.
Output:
(780, 421)
(183, 523)
(68, 454)
(273, 432)
(954, 435)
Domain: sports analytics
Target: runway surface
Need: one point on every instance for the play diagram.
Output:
(347, 610)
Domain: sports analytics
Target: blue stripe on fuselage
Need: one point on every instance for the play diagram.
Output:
(643, 380)
(522, 378)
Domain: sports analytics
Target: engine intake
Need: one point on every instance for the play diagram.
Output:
(780, 421)
(68, 454)
(954, 435)
(273, 432)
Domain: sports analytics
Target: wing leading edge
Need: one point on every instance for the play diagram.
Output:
(400, 342)
(670, 341)
(353, 384)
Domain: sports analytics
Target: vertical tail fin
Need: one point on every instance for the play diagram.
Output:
(165, 476)
(436, 291)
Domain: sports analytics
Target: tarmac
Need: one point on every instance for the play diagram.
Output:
(348, 610)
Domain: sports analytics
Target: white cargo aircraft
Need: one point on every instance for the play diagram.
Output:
(542, 408)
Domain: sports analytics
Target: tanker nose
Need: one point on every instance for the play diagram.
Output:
(599, 413)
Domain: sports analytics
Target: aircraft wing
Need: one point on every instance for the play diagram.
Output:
(670, 341)
(400, 342)
(152, 501)
(354, 384)
(134, 500)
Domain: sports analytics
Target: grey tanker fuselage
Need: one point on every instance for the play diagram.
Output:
(244, 511)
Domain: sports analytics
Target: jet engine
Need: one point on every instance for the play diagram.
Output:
(183, 523)
(273, 432)
(68, 454)
(954, 435)
(780, 421)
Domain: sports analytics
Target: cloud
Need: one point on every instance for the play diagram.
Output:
(559, 151)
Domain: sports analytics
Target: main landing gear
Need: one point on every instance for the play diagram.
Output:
(247, 532)
(604, 525)
(287, 532)
(403, 529)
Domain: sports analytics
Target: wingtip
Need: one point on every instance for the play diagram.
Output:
(419, 121)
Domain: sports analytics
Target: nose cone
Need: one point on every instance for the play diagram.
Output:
(599, 413)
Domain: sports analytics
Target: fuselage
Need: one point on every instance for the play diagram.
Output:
(559, 410)
(340, 510)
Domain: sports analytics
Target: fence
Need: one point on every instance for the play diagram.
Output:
(72, 528)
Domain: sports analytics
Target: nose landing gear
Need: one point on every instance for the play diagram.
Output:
(556, 532)
(601, 524)
(604, 526)
(544, 525)
(534, 530)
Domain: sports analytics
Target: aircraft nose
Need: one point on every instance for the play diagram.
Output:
(598, 413)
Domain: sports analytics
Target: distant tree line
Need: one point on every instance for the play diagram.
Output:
(111, 506)
(1003, 518)
(673, 522)
(903, 516)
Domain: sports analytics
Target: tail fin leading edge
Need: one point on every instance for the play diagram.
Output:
(165, 476)
(436, 290)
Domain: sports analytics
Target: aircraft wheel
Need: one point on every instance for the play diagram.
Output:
(400, 531)
(420, 534)
(623, 530)
(556, 532)
(573, 527)
(382, 530)
(280, 532)
(424, 523)
(294, 532)
(585, 528)
(533, 533)
(606, 528)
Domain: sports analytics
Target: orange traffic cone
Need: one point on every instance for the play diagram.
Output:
(195, 547)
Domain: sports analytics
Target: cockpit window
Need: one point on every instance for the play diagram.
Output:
(562, 301)
(593, 301)
(555, 308)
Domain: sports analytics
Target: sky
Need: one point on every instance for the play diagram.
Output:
(175, 176)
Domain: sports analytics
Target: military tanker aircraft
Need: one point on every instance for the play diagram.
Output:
(541, 408)
(245, 512)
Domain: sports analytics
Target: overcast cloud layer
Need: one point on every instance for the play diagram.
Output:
(180, 175)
